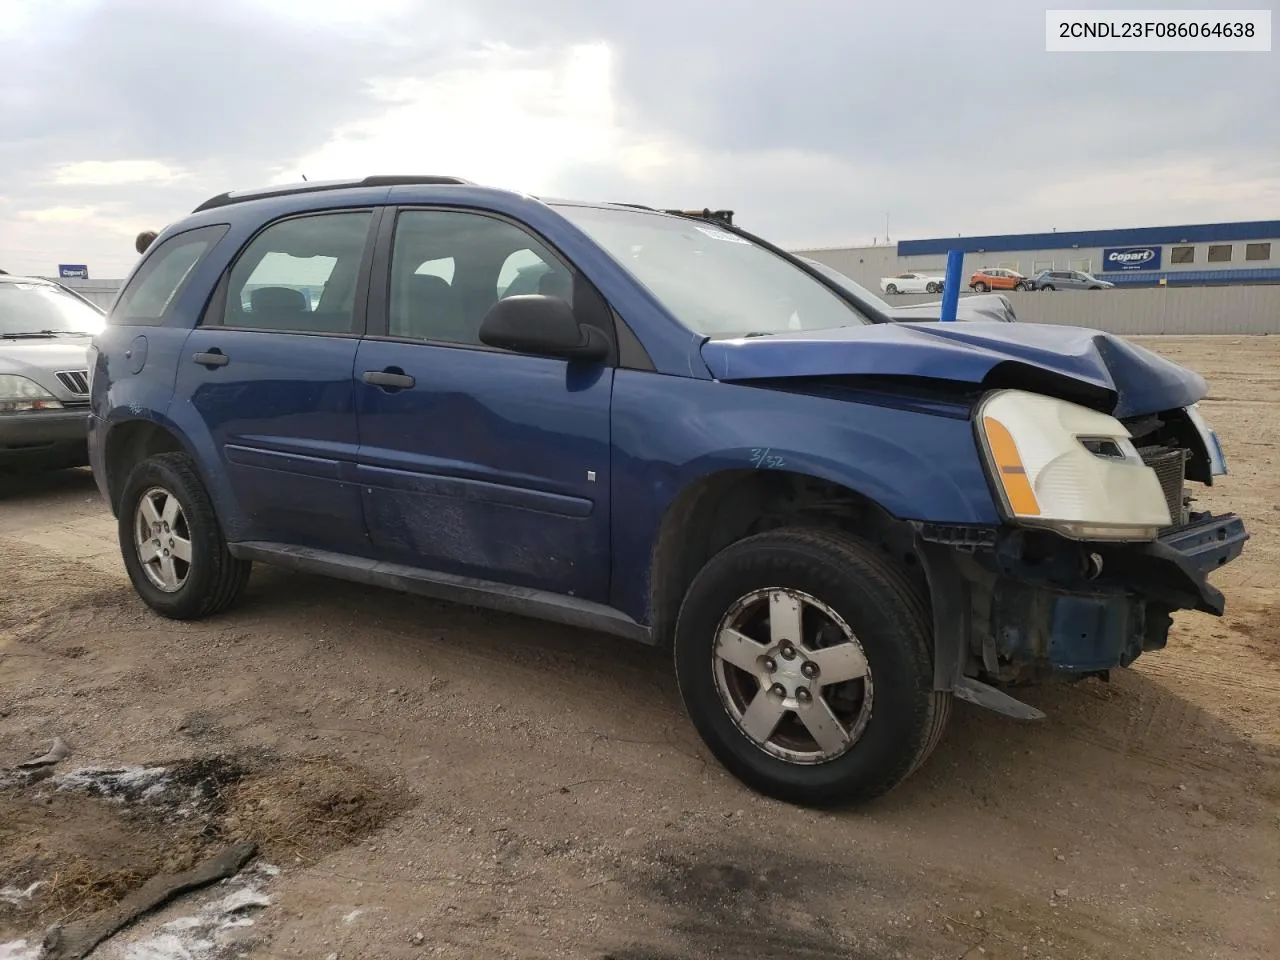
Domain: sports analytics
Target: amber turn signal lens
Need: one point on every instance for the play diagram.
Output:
(1009, 468)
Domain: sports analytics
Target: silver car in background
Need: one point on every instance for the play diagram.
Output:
(1068, 280)
(45, 333)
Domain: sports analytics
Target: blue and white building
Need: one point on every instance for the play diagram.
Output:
(1194, 254)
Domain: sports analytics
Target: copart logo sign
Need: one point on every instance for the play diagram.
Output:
(1131, 258)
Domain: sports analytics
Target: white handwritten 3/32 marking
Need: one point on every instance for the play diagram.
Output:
(761, 458)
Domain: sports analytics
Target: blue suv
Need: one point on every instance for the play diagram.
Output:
(657, 425)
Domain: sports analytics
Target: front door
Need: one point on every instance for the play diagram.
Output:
(476, 461)
(269, 371)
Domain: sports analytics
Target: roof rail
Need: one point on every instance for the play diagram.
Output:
(225, 199)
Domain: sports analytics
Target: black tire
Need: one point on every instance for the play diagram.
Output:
(1048, 287)
(891, 289)
(887, 613)
(930, 288)
(1020, 286)
(981, 287)
(215, 579)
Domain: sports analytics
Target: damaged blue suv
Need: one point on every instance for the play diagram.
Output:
(656, 425)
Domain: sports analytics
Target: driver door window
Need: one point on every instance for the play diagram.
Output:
(488, 259)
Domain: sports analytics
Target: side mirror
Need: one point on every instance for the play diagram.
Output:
(541, 325)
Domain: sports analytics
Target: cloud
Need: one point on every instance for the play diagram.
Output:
(500, 116)
(814, 121)
(105, 173)
(59, 214)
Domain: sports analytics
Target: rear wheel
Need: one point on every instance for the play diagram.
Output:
(804, 660)
(931, 288)
(172, 546)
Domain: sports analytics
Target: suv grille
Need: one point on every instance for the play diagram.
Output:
(77, 381)
(1170, 465)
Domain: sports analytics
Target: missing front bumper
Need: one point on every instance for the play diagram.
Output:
(1014, 608)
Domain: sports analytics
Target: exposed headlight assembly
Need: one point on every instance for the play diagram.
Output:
(1067, 468)
(19, 395)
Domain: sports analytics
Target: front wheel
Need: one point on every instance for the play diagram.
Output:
(981, 287)
(891, 288)
(171, 542)
(1020, 286)
(804, 661)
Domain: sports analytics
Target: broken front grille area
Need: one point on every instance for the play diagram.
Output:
(1170, 465)
(1161, 441)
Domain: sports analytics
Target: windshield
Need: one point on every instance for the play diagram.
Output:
(845, 283)
(41, 309)
(714, 282)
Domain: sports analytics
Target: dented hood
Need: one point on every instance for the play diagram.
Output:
(1075, 363)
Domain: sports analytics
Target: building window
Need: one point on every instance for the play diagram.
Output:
(1084, 266)
(1010, 265)
(1220, 253)
(1038, 265)
(1182, 255)
(1257, 251)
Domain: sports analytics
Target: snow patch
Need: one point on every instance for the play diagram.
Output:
(206, 934)
(19, 950)
(120, 784)
(16, 897)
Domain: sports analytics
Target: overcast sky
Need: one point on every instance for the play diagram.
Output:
(812, 119)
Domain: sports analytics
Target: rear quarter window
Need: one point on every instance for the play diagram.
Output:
(146, 300)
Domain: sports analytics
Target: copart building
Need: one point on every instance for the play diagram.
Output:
(1193, 255)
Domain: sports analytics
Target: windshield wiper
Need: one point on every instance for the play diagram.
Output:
(43, 334)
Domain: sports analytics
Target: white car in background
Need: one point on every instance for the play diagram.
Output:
(911, 283)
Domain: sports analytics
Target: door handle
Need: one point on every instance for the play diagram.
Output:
(214, 358)
(390, 379)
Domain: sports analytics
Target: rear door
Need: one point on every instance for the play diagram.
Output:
(269, 371)
(476, 461)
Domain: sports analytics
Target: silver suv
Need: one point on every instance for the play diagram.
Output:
(44, 373)
(1068, 280)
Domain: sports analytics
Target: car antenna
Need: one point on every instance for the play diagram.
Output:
(304, 177)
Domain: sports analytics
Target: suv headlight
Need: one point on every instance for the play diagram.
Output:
(1067, 468)
(18, 395)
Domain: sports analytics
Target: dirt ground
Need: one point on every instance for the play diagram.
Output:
(434, 781)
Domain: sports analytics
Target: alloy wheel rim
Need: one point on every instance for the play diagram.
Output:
(792, 675)
(162, 539)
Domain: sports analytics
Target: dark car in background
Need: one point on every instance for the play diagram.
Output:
(45, 331)
(1068, 280)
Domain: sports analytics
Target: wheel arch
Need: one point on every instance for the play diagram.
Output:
(128, 443)
(721, 508)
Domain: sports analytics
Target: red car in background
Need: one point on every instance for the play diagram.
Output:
(998, 278)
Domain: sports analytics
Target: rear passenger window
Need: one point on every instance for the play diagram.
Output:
(299, 275)
(163, 275)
